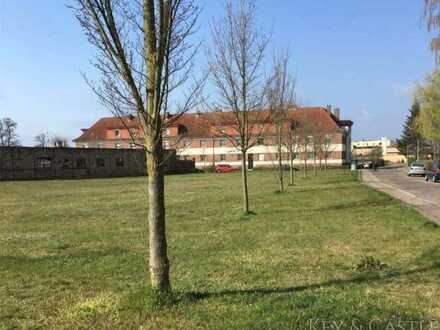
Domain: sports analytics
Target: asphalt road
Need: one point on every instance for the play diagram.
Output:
(425, 196)
(415, 185)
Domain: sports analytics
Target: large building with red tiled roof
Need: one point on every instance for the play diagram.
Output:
(198, 137)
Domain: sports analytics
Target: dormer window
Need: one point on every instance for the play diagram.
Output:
(117, 133)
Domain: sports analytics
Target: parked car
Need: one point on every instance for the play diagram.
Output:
(368, 164)
(434, 173)
(224, 168)
(287, 168)
(417, 169)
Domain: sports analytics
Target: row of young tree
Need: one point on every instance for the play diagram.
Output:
(422, 127)
(146, 53)
(421, 133)
(10, 138)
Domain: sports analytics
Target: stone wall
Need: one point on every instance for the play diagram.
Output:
(27, 163)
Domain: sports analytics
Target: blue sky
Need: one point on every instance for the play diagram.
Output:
(362, 56)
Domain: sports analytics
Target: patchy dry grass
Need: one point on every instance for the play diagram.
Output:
(73, 255)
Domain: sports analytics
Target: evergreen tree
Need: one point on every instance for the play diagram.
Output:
(411, 139)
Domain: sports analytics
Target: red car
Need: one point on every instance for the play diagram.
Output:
(224, 168)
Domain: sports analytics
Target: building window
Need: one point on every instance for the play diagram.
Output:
(81, 163)
(117, 133)
(261, 157)
(44, 162)
(65, 163)
(203, 144)
(222, 142)
(310, 155)
(133, 132)
(202, 158)
(222, 158)
(260, 140)
(166, 144)
(239, 156)
(85, 145)
(118, 146)
(132, 145)
(99, 146)
(120, 162)
(167, 131)
(100, 162)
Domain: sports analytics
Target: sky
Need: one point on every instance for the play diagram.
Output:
(364, 57)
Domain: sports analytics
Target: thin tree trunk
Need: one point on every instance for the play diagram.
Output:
(315, 169)
(291, 169)
(417, 151)
(159, 264)
(280, 165)
(305, 166)
(280, 176)
(245, 183)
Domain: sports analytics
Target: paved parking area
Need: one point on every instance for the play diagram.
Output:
(425, 196)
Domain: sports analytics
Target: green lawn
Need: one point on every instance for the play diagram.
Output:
(73, 255)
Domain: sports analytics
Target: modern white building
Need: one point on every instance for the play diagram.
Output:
(363, 148)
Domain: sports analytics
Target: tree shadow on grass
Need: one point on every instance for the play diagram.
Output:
(87, 255)
(359, 279)
(317, 189)
(366, 203)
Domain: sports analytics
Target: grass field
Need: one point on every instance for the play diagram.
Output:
(73, 255)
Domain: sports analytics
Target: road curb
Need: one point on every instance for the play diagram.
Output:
(429, 209)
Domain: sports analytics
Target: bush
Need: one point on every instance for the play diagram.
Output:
(370, 264)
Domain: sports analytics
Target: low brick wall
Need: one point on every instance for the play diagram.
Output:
(27, 163)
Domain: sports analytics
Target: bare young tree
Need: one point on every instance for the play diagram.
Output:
(235, 63)
(327, 148)
(305, 139)
(280, 92)
(59, 142)
(291, 143)
(319, 135)
(145, 56)
(42, 140)
(8, 133)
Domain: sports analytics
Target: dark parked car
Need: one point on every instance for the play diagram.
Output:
(434, 173)
(287, 168)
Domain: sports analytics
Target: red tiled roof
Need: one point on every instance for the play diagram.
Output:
(98, 131)
(200, 124)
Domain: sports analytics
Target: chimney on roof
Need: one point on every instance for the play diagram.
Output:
(329, 108)
(337, 113)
